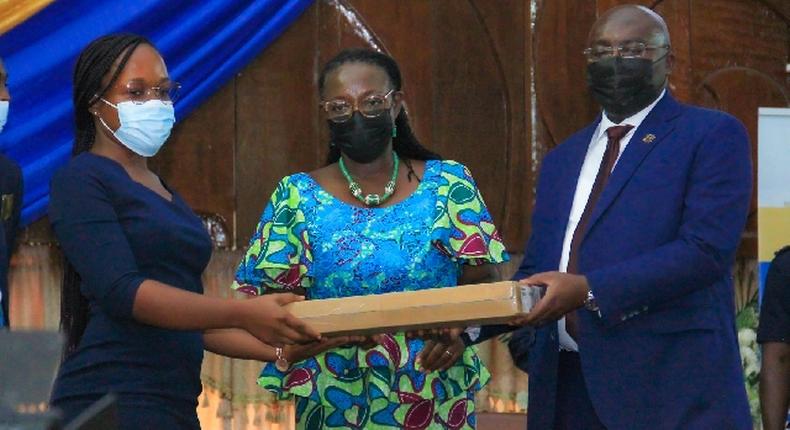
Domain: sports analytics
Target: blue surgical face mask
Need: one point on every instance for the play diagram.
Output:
(144, 127)
(4, 104)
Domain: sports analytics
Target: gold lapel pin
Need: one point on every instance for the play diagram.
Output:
(649, 138)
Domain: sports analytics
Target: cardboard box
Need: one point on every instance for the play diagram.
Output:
(460, 306)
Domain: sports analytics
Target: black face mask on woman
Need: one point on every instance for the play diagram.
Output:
(361, 138)
(623, 86)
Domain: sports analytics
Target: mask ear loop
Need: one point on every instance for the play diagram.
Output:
(102, 119)
(666, 78)
(661, 57)
(105, 101)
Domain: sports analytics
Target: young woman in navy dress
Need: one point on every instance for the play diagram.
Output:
(133, 311)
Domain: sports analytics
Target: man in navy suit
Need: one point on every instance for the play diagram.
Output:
(634, 233)
(10, 203)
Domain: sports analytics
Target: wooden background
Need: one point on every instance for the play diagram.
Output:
(491, 83)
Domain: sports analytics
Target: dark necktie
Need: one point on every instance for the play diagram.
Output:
(614, 134)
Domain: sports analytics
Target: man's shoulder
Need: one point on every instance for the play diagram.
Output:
(782, 259)
(707, 117)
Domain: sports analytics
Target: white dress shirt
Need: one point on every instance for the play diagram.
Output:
(592, 162)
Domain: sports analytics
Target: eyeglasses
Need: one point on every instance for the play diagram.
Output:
(139, 93)
(626, 50)
(372, 106)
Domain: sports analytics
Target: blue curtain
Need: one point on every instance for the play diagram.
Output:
(204, 43)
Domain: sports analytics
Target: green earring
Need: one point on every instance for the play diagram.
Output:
(394, 131)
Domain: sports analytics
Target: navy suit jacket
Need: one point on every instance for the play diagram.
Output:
(657, 254)
(10, 184)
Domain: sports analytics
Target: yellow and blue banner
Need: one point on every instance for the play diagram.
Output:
(773, 186)
(15, 12)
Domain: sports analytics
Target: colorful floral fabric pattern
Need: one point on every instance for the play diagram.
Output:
(309, 238)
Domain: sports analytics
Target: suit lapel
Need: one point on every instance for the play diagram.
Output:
(567, 178)
(653, 129)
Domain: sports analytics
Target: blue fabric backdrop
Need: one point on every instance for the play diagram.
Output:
(203, 43)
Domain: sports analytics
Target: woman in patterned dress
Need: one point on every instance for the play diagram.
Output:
(322, 236)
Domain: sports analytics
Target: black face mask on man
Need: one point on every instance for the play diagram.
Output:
(623, 86)
(361, 138)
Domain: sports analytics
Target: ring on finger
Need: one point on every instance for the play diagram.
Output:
(281, 363)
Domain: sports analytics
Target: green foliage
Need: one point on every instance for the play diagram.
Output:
(746, 323)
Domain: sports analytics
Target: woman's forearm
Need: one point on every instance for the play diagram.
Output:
(236, 343)
(161, 305)
(265, 318)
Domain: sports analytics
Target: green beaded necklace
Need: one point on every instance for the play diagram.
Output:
(371, 199)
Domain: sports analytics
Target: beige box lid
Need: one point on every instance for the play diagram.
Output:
(459, 306)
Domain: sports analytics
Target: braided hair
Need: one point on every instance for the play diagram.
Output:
(405, 144)
(94, 64)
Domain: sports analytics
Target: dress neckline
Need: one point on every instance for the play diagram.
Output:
(173, 195)
(430, 166)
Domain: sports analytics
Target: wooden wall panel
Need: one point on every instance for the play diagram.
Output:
(276, 120)
(329, 24)
(563, 102)
(511, 36)
(742, 33)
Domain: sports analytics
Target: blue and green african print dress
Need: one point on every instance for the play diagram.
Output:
(307, 237)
